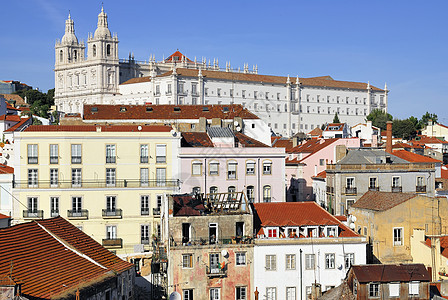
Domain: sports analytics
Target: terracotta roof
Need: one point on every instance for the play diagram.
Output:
(248, 141)
(14, 97)
(292, 161)
(177, 57)
(165, 112)
(443, 245)
(301, 213)
(2, 216)
(316, 132)
(312, 146)
(283, 143)
(444, 172)
(186, 205)
(414, 158)
(12, 118)
(64, 257)
(104, 128)
(423, 139)
(4, 169)
(341, 218)
(137, 80)
(406, 145)
(312, 81)
(196, 139)
(335, 127)
(381, 201)
(18, 126)
(322, 174)
(391, 273)
(274, 139)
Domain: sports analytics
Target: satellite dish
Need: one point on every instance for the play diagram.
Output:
(352, 226)
(353, 218)
(235, 123)
(139, 128)
(224, 253)
(238, 128)
(173, 133)
(175, 296)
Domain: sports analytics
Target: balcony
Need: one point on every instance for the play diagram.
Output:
(111, 159)
(33, 214)
(32, 160)
(374, 188)
(206, 241)
(87, 184)
(216, 271)
(78, 214)
(144, 159)
(420, 189)
(396, 189)
(330, 190)
(54, 159)
(54, 213)
(156, 211)
(144, 212)
(351, 191)
(76, 159)
(144, 240)
(113, 243)
(112, 213)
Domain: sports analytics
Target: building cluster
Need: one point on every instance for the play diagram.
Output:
(204, 183)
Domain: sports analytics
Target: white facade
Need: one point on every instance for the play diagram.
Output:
(367, 132)
(284, 277)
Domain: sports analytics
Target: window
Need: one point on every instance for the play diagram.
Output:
(420, 181)
(329, 260)
(188, 294)
(196, 190)
(54, 206)
(144, 234)
(290, 293)
(76, 204)
(309, 261)
(355, 287)
(278, 96)
(250, 193)
(322, 162)
(414, 288)
(374, 290)
(111, 203)
(213, 190)
(271, 293)
(214, 168)
(240, 258)
(54, 154)
(350, 182)
(272, 232)
(187, 260)
(161, 176)
(398, 236)
(196, 168)
(144, 205)
(76, 177)
(241, 293)
(231, 192)
(111, 232)
(160, 154)
(396, 181)
(214, 262)
(267, 193)
(255, 94)
(349, 259)
(32, 204)
(394, 289)
(159, 201)
(290, 261)
(308, 291)
(267, 168)
(271, 263)
(231, 170)
(110, 176)
(54, 177)
(372, 183)
(157, 89)
(331, 231)
(218, 92)
(215, 294)
(144, 153)
(32, 178)
(110, 154)
(76, 154)
(108, 49)
(250, 168)
(169, 91)
(32, 154)
(144, 176)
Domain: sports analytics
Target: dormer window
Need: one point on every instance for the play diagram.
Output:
(331, 231)
(149, 109)
(94, 109)
(205, 108)
(176, 109)
(123, 109)
(312, 232)
(272, 232)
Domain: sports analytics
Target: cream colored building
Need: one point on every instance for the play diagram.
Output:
(110, 181)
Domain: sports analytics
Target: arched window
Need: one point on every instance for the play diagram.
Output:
(267, 193)
(94, 50)
(75, 54)
(61, 56)
(250, 193)
(231, 192)
(108, 50)
(213, 192)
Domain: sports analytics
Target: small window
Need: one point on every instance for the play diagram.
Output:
(414, 288)
(240, 258)
(196, 168)
(231, 170)
(250, 192)
(291, 293)
(214, 168)
(398, 236)
(290, 261)
(374, 290)
(250, 168)
(267, 168)
(108, 49)
(241, 293)
(271, 263)
(267, 193)
(329, 261)
(349, 259)
(188, 294)
(187, 260)
(394, 289)
(309, 261)
(32, 154)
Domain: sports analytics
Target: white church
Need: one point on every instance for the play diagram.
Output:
(287, 105)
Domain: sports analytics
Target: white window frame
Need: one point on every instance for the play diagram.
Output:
(330, 262)
(414, 288)
(214, 168)
(290, 260)
(187, 261)
(250, 170)
(291, 293)
(111, 154)
(394, 289)
(160, 153)
(242, 291)
(397, 240)
(271, 262)
(374, 293)
(349, 260)
(267, 168)
(240, 258)
(196, 168)
(271, 293)
(232, 168)
(310, 261)
(215, 293)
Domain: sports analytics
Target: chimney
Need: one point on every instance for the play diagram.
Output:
(341, 152)
(389, 137)
(294, 141)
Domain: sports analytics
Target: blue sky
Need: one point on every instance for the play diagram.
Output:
(403, 43)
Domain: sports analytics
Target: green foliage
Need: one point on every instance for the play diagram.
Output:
(425, 119)
(404, 129)
(379, 118)
(55, 118)
(37, 121)
(336, 118)
(39, 102)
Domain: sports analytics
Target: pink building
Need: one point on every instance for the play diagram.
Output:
(220, 161)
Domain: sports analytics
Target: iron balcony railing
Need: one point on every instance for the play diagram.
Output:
(54, 159)
(216, 271)
(76, 159)
(351, 191)
(32, 160)
(112, 213)
(144, 240)
(203, 241)
(156, 211)
(119, 183)
(33, 214)
(144, 212)
(374, 188)
(114, 242)
(54, 213)
(144, 159)
(78, 213)
(111, 159)
(396, 189)
(420, 188)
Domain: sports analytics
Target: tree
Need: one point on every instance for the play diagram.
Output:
(404, 128)
(39, 102)
(336, 118)
(425, 119)
(379, 118)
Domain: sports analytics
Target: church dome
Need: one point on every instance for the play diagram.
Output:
(102, 31)
(69, 37)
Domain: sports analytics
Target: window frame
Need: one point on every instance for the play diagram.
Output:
(238, 261)
(374, 293)
(76, 153)
(160, 159)
(247, 167)
(144, 153)
(145, 205)
(54, 159)
(214, 163)
(267, 167)
(270, 262)
(330, 261)
(267, 193)
(111, 154)
(33, 154)
(232, 174)
(310, 261)
(194, 166)
(349, 260)
(412, 286)
(187, 261)
(397, 240)
(290, 262)
(241, 292)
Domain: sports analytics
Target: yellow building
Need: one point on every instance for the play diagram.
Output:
(389, 220)
(110, 181)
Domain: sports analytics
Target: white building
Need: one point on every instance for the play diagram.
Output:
(299, 244)
(289, 105)
(367, 132)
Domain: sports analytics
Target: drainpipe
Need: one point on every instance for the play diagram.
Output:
(301, 280)
(205, 176)
(258, 178)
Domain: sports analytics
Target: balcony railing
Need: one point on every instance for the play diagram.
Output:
(374, 188)
(216, 271)
(111, 159)
(117, 243)
(78, 214)
(267, 199)
(227, 240)
(119, 183)
(33, 214)
(112, 213)
(156, 211)
(420, 189)
(144, 159)
(76, 159)
(160, 159)
(144, 212)
(32, 160)
(54, 159)
(396, 189)
(144, 240)
(351, 191)
(54, 213)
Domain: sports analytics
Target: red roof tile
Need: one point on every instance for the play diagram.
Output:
(4, 169)
(423, 139)
(414, 158)
(391, 273)
(104, 128)
(322, 174)
(196, 139)
(58, 252)
(18, 126)
(137, 80)
(165, 112)
(316, 132)
(283, 143)
(301, 213)
(177, 57)
(381, 201)
(248, 141)
(2, 216)
(443, 245)
(13, 118)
